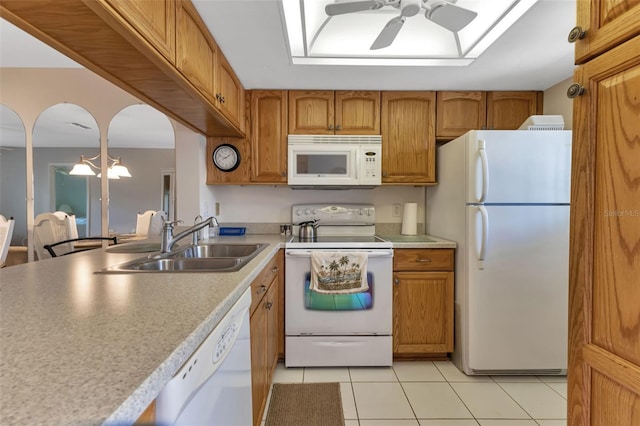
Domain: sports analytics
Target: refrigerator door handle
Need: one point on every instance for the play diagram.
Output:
(484, 162)
(485, 233)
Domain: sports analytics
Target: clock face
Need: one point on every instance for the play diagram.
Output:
(226, 157)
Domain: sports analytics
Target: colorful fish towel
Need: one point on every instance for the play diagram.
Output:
(338, 272)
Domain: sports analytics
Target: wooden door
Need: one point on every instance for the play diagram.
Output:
(155, 20)
(311, 112)
(459, 112)
(271, 305)
(408, 137)
(604, 277)
(195, 50)
(606, 23)
(269, 136)
(508, 110)
(357, 113)
(229, 92)
(258, 362)
(422, 312)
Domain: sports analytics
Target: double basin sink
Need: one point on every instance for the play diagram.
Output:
(216, 257)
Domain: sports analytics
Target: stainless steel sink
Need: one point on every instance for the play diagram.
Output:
(193, 258)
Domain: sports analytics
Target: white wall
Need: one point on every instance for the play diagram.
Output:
(556, 102)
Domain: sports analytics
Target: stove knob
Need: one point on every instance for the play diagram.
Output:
(307, 212)
(298, 212)
(369, 212)
(315, 211)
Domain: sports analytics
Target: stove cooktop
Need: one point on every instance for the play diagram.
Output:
(329, 241)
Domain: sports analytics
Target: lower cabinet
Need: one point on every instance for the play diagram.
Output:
(264, 335)
(423, 302)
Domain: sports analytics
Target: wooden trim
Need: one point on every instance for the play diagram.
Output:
(617, 369)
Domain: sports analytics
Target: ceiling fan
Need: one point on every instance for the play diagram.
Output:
(446, 14)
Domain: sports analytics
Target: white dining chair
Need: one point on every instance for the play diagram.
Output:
(143, 221)
(49, 228)
(70, 220)
(157, 220)
(6, 232)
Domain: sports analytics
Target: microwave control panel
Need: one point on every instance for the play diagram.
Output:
(371, 164)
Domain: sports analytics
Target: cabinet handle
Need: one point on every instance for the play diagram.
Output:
(274, 270)
(423, 260)
(222, 99)
(269, 305)
(262, 289)
(385, 174)
(330, 126)
(283, 174)
(338, 127)
(576, 33)
(575, 90)
(396, 281)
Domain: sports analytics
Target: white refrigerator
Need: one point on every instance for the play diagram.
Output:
(503, 197)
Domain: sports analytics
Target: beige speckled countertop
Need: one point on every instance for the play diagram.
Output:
(418, 241)
(79, 348)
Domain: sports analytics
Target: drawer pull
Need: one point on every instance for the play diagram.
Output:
(269, 305)
(423, 260)
(262, 289)
(274, 270)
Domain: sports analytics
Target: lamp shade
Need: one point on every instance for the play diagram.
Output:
(120, 170)
(82, 169)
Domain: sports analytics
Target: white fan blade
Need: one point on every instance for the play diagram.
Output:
(452, 17)
(388, 33)
(349, 7)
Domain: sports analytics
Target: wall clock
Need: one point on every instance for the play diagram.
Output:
(226, 157)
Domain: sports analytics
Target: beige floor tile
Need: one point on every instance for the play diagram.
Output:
(452, 374)
(348, 403)
(552, 422)
(489, 401)
(435, 401)
(443, 422)
(417, 371)
(561, 388)
(381, 401)
(287, 375)
(389, 422)
(326, 374)
(538, 399)
(372, 374)
(502, 422)
(553, 379)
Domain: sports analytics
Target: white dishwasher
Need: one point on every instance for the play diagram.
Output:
(214, 386)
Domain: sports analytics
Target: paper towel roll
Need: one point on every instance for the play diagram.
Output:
(410, 219)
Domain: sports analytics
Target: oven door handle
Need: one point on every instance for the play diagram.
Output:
(370, 253)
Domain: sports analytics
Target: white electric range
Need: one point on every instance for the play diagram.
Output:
(338, 289)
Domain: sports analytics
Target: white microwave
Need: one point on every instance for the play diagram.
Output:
(334, 160)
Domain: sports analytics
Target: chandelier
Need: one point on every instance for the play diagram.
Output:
(85, 167)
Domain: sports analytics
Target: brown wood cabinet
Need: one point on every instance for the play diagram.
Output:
(264, 334)
(229, 93)
(606, 24)
(408, 137)
(269, 136)
(459, 112)
(604, 260)
(328, 112)
(155, 20)
(422, 302)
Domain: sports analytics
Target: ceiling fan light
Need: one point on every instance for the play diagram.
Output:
(82, 169)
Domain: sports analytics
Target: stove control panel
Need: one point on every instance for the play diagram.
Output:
(334, 214)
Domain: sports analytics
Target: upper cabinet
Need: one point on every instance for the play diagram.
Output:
(155, 20)
(408, 138)
(459, 112)
(603, 24)
(328, 112)
(269, 136)
(229, 92)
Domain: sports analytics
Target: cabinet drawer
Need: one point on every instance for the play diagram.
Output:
(423, 260)
(261, 284)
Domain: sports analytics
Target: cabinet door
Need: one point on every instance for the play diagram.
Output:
(604, 313)
(269, 136)
(508, 110)
(155, 20)
(311, 112)
(271, 306)
(607, 23)
(229, 93)
(422, 312)
(408, 137)
(258, 332)
(357, 113)
(459, 112)
(195, 50)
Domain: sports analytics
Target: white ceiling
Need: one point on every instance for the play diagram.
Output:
(532, 55)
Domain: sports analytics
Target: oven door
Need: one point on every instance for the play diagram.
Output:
(312, 313)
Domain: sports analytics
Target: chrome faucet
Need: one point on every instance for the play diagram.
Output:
(169, 240)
